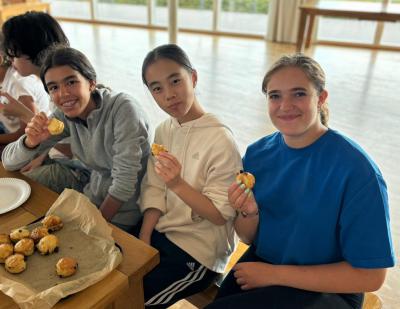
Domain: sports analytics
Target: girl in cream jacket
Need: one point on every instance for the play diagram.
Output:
(184, 198)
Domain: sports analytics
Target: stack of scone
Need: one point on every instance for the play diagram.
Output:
(20, 243)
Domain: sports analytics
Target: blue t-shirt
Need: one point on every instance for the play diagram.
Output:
(321, 204)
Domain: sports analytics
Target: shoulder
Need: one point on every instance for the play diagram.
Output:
(113, 98)
(267, 143)
(350, 154)
(120, 103)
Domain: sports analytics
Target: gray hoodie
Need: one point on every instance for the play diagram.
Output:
(113, 143)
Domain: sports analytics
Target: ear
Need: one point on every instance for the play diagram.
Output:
(92, 85)
(322, 98)
(194, 78)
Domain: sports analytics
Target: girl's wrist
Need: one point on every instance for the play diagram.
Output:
(28, 144)
(177, 185)
(245, 214)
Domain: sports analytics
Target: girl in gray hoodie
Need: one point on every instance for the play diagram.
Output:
(108, 133)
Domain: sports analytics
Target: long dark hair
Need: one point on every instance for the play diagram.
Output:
(169, 51)
(60, 55)
(30, 34)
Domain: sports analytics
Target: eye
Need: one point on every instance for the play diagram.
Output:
(300, 94)
(71, 82)
(52, 89)
(156, 89)
(273, 96)
(176, 81)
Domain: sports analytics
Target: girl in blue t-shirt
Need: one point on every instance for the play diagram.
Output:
(317, 220)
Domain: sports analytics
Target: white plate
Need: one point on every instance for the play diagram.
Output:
(13, 193)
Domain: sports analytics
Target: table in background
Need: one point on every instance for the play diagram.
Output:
(122, 288)
(365, 11)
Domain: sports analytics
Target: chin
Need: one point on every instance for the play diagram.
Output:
(71, 114)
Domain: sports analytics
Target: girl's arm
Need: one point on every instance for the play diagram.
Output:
(7, 138)
(246, 227)
(109, 207)
(11, 137)
(331, 278)
(169, 169)
(150, 219)
(242, 200)
(24, 110)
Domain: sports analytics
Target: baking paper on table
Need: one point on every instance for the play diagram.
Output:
(86, 236)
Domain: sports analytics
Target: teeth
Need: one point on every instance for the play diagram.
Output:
(68, 104)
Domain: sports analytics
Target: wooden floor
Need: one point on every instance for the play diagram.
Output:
(363, 86)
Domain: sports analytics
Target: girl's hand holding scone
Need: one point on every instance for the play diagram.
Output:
(156, 149)
(36, 130)
(240, 195)
(168, 169)
(55, 126)
(246, 178)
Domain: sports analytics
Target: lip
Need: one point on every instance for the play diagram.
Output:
(67, 104)
(174, 105)
(288, 117)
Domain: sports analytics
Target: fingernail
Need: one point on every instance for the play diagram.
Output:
(247, 191)
(242, 186)
(250, 192)
(238, 181)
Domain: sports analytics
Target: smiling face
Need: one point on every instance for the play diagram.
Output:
(172, 87)
(70, 91)
(293, 104)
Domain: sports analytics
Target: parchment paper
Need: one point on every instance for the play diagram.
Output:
(85, 236)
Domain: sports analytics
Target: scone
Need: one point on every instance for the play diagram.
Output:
(38, 233)
(55, 126)
(246, 178)
(48, 244)
(66, 267)
(5, 251)
(53, 223)
(5, 239)
(25, 246)
(157, 148)
(17, 234)
(15, 264)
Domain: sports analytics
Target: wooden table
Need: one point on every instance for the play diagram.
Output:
(122, 288)
(363, 11)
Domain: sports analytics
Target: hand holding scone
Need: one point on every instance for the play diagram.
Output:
(55, 126)
(241, 197)
(168, 169)
(246, 178)
(156, 149)
(36, 130)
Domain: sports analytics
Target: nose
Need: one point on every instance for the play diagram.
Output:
(286, 103)
(63, 90)
(170, 93)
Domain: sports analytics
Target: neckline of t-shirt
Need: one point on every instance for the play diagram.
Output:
(306, 148)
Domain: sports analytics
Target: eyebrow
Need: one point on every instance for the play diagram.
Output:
(291, 90)
(64, 79)
(169, 76)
